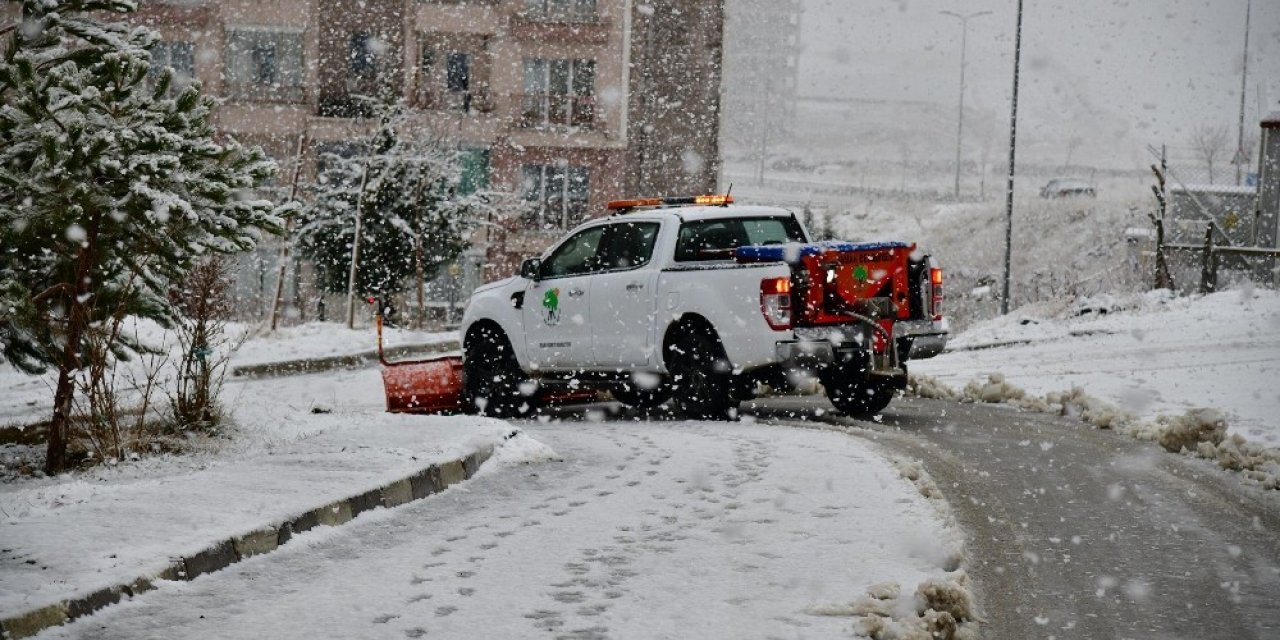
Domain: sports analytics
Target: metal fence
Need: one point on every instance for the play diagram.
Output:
(1209, 228)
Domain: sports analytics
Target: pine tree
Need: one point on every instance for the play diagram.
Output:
(110, 187)
(414, 218)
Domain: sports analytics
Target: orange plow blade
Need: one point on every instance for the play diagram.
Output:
(423, 386)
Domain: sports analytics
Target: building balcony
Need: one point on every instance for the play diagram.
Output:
(561, 27)
(553, 111)
(264, 93)
(466, 102)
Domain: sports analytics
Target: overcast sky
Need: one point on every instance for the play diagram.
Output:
(1121, 74)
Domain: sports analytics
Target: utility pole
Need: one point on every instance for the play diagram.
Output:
(1013, 147)
(355, 251)
(765, 108)
(1241, 157)
(964, 40)
(278, 301)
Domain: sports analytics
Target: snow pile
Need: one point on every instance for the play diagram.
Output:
(922, 386)
(1199, 431)
(940, 609)
(516, 450)
(1190, 429)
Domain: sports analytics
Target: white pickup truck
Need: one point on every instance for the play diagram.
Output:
(699, 301)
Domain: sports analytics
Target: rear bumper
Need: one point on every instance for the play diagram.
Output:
(802, 353)
(925, 338)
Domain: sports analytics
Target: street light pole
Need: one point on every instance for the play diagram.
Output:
(964, 39)
(1241, 158)
(1013, 147)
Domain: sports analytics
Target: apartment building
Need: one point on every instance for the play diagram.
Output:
(569, 103)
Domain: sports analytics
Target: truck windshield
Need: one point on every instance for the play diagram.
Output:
(716, 239)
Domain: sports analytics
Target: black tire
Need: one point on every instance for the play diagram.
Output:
(633, 395)
(701, 379)
(492, 382)
(853, 393)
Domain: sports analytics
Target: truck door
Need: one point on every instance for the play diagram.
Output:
(557, 310)
(623, 298)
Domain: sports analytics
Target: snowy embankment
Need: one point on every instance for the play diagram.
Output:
(297, 443)
(316, 340)
(26, 399)
(1196, 373)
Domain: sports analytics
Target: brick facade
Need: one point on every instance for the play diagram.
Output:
(620, 96)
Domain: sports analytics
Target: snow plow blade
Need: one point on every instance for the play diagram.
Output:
(434, 385)
(423, 386)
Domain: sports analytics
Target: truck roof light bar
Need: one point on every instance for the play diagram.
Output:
(711, 200)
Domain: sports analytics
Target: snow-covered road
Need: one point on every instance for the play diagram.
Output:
(646, 529)
(1077, 532)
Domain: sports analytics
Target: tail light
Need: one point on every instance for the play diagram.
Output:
(935, 297)
(775, 302)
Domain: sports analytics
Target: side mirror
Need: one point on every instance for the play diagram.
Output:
(529, 269)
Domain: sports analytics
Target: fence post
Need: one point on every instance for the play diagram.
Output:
(1208, 263)
(1163, 280)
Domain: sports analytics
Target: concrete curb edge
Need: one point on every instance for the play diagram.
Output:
(349, 361)
(421, 484)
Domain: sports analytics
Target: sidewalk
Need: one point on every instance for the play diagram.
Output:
(308, 451)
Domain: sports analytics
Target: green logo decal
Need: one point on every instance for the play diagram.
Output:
(860, 273)
(551, 303)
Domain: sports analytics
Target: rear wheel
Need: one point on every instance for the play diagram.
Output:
(855, 393)
(492, 382)
(701, 378)
(635, 395)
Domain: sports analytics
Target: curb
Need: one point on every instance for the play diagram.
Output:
(423, 483)
(349, 361)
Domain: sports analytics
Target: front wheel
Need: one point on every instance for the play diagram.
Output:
(701, 378)
(492, 382)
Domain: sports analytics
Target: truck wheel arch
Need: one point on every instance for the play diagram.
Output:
(481, 325)
(687, 323)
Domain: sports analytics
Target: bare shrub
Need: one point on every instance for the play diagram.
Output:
(110, 419)
(204, 305)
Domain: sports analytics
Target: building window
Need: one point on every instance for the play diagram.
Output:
(458, 72)
(361, 55)
(454, 70)
(475, 171)
(558, 92)
(265, 71)
(560, 10)
(264, 64)
(556, 194)
(179, 56)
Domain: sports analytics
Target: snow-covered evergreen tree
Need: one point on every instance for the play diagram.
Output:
(412, 209)
(110, 186)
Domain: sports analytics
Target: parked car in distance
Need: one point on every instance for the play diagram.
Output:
(1065, 188)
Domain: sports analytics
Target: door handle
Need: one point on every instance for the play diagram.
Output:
(575, 293)
(635, 286)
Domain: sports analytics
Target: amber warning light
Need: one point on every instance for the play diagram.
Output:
(711, 200)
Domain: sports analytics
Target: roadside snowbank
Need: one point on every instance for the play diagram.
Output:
(941, 607)
(1148, 355)
(76, 533)
(1192, 374)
